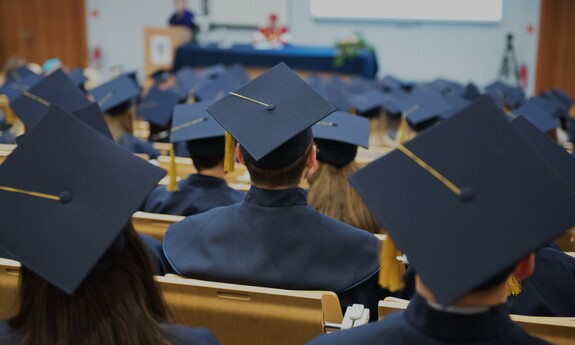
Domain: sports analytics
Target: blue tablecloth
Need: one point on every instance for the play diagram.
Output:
(297, 57)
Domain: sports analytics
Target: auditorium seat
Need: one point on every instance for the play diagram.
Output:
(153, 224)
(9, 286)
(240, 314)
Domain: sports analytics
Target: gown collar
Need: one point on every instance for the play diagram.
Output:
(454, 327)
(276, 198)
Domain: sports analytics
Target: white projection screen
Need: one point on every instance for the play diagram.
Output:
(410, 10)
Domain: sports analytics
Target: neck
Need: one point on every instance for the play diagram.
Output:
(480, 299)
(217, 171)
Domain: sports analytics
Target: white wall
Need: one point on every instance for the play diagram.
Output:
(413, 51)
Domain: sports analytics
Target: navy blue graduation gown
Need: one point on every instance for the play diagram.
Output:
(186, 19)
(550, 291)
(197, 194)
(135, 145)
(422, 324)
(176, 334)
(274, 239)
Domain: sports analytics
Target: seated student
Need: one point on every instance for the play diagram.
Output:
(337, 138)
(207, 188)
(91, 282)
(462, 231)
(273, 238)
(549, 290)
(116, 99)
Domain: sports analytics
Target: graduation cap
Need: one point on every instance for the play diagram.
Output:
(54, 89)
(368, 102)
(93, 117)
(473, 213)
(422, 107)
(556, 155)
(19, 73)
(445, 86)
(470, 92)
(337, 96)
(239, 72)
(218, 87)
(213, 71)
(160, 76)
(338, 136)
(157, 106)
(115, 92)
(186, 77)
(16, 86)
(390, 83)
(59, 226)
(505, 95)
(271, 115)
(561, 98)
(543, 116)
(193, 122)
(77, 76)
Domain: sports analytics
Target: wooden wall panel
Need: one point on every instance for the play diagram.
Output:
(556, 53)
(38, 30)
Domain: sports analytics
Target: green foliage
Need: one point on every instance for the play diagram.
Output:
(349, 48)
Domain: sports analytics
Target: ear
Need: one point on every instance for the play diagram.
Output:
(311, 161)
(525, 267)
(239, 154)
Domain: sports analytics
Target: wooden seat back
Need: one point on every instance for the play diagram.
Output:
(153, 224)
(239, 314)
(9, 288)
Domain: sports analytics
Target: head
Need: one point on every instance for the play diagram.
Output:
(181, 5)
(206, 153)
(119, 304)
(289, 174)
(491, 292)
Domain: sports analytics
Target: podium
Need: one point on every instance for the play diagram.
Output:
(160, 46)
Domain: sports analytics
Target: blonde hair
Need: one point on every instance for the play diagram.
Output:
(331, 194)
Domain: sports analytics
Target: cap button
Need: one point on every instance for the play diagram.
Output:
(467, 194)
(270, 107)
(65, 197)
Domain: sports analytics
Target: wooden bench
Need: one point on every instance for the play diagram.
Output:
(556, 330)
(240, 314)
(237, 314)
(9, 288)
(153, 224)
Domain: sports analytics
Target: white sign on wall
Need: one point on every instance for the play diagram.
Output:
(161, 50)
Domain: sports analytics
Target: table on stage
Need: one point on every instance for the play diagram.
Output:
(307, 58)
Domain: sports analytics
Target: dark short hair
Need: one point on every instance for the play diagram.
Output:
(206, 153)
(286, 176)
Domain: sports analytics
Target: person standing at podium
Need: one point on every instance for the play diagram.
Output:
(183, 16)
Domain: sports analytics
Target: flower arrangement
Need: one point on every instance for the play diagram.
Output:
(349, 48)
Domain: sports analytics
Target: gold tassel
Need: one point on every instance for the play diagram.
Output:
(229, 159)
(172, 172)
(391, 270)
(513, 286)
(402, 131)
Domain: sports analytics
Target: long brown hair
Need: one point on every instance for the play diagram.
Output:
(119, 305)
(331, 194)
